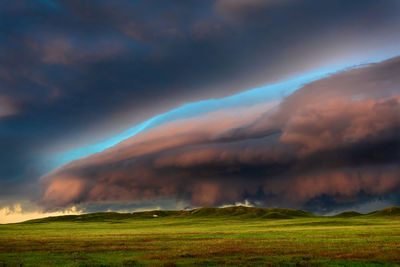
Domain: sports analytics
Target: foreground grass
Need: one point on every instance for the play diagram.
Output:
(189, 240)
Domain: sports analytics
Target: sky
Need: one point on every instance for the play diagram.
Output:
(132, 105)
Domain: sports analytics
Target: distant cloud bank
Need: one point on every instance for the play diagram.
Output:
(335, 138)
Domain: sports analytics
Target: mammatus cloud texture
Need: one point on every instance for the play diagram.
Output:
(336, 138)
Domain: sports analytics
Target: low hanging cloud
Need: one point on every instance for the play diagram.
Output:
(82, 72)
(336, 137)
(341, 122)
(343, 185)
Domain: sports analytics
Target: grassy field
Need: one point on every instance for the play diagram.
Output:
(205, 237)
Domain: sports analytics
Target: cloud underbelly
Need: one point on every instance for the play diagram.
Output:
(336, 137)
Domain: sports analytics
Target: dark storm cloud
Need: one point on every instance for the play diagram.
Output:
(345, 147)
(74, 72)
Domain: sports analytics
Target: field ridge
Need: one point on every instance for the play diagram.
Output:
(239, 212)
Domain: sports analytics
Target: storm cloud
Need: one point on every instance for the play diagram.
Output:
(343, 146)
(74, 74)
(83, 71)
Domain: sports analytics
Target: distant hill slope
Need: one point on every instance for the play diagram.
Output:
(348, 214)
(206, 212)
(239, 212)
(391, 211)
(250, 212)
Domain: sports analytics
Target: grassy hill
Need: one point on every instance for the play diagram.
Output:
(249, 212)
(238, 212)
(231, 236)
(391, 211)
(235, 212)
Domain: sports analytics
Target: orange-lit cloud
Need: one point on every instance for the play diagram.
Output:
(341, 145)
(343, 184)
(340, 122)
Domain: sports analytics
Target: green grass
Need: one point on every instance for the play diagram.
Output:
(205, 237)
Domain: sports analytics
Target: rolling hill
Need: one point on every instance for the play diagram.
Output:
(229, 236)
(234, 212)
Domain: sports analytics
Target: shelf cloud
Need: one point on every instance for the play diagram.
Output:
(312, 143)
(108, 103)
